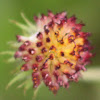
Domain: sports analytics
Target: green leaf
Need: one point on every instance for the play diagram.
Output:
(7, 53)
(36, 91)
(12, 59)
(21, 85)
(14, 44)
(29, 28)
(28, 84)
(19, 76)
(27, 21)
(20, 25)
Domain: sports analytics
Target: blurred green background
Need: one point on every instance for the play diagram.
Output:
(86, 10)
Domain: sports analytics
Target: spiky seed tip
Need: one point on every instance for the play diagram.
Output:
(57, 52)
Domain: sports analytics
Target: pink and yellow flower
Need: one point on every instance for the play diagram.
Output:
(57, 52)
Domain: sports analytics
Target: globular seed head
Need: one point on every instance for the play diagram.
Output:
(40, 36)
(44, 66)
(26, 58)
(43, 50)
(18, 38)
(62, 53)
(57, 52)
(36, 79)
(39, 58)
(18, 54)
(57, 34)
(31, 51)
(25, 67)
(51, 56)
(22, 47)
(39, 44)
(72, 53)
(52, 47)
(71, 38)
(35, 67)
(27, 43)
(47, 39)
(57, 67)
(46, 30)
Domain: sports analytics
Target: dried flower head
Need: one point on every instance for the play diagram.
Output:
(56, 52)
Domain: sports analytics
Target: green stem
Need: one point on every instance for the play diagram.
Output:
(91, 75)
(36, 91)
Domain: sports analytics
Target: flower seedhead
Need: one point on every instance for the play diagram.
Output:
(57, 52)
